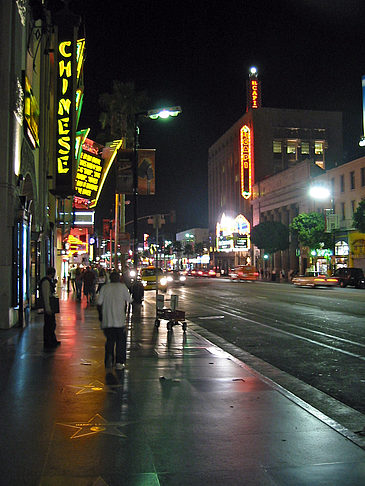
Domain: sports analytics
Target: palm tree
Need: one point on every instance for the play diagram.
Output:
(118, 110)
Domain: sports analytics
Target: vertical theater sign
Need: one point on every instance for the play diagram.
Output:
(68, 64)
(246, 161)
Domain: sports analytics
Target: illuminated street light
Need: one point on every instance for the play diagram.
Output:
(253, 70)
(319, 192)
(164, 112)
(153, 115)
(322, 193)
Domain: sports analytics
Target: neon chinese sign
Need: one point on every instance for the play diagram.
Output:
(64, 108)
(246, 162)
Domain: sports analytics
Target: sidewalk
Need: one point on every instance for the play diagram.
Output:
(184, 412)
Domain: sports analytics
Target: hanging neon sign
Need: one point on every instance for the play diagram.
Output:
(246, 162)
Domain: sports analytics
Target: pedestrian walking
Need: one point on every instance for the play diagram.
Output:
(89, 284)
(78, 282)
(112, 301)
(47, 291)
(73, 277)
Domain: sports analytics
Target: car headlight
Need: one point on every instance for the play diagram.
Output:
(163, 281)
(144, 283)
(182, 278)
(169, 278)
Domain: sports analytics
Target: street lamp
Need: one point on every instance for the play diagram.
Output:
(153, 115)
(322, 193)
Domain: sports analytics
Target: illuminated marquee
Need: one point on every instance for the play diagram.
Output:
(233, 234)
(88, 175)
(246, 161)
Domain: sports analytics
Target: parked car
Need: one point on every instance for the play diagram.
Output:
(350, 276)
(314, 279)
(244, 273)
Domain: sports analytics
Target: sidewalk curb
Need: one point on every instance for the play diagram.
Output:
(346, 421)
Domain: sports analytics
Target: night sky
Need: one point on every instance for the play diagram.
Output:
(310, 54)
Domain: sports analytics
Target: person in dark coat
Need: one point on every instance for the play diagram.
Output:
(89, 284)
(47, 289)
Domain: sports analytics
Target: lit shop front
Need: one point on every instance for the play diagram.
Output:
(232, 243)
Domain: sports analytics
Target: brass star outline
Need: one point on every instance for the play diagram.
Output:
(96, 425)
(93, 386)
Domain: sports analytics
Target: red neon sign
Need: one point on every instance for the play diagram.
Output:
(246, 161)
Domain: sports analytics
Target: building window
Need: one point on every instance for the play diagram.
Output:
(352, 180)
(291, 147)
(343, 212)
(276, 146)
(363, 176)
(353, 203)
(318, 148)
(332, 186)
(342, 183)
(304, 148)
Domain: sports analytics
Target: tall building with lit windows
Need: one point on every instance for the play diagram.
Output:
(263, 142)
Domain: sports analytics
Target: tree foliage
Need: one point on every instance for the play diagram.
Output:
(270, 236)
(199, 248)
(188, 249)
(310, 230)
(359, 217)
(118, 110)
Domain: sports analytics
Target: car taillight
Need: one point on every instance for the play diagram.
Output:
(319, 279)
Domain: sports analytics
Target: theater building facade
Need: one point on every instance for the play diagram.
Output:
(265, 143)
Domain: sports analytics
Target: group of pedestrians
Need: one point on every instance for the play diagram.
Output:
(112, 296)
(87, 280)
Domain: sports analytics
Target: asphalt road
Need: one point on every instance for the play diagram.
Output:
(315, 335)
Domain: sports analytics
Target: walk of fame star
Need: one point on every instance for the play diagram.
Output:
(96, 425)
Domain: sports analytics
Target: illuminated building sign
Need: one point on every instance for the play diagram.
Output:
(75, 245)
(233, 234)
(88, 175)
(80, 56)
(246, 161)
(253, 93)
(65, 117)
(90, 165)
(94, 163)
(84, 218)
(31, 114)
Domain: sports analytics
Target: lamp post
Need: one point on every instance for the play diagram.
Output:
(153, 115)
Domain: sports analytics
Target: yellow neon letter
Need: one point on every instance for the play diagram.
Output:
(64, 106)
(62, 48)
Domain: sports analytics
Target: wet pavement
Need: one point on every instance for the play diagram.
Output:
(182, 412)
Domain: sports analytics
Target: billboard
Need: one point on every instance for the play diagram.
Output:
(145, 172)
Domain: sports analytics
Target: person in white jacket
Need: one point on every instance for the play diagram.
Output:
(113, 298)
